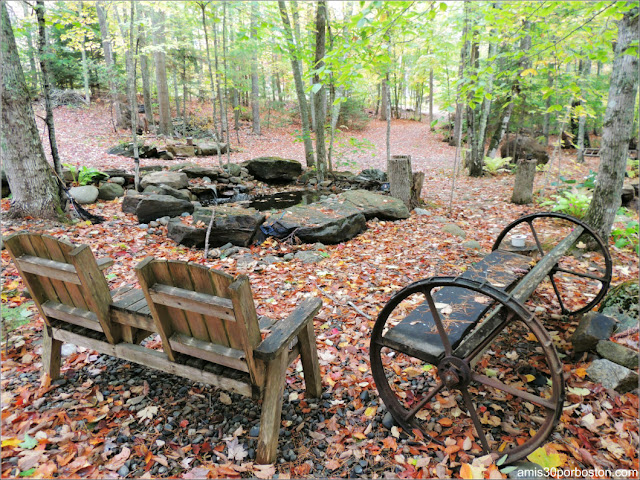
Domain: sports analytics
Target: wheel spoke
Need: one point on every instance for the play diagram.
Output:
(578, 274)
(412, 413)
(529, 397)
(535, 237)
(439, 325)
(558, 295)
(476, 420)
(487, 341)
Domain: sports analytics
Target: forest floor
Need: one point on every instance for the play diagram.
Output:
(89, 424)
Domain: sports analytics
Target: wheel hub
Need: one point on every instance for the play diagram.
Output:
(454, 372)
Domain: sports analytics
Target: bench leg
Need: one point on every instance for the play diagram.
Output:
(310, 365)
(51, 353)
(271, 409)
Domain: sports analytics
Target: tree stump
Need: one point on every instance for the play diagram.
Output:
(416, 188)
(523, 185)
(400, 178)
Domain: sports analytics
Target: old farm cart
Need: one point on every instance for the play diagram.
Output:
(463, 356)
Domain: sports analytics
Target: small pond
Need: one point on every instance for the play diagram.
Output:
(276, 201)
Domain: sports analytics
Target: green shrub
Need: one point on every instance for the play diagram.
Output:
(85, 175)
(627, 236)
(494, 165)
(571, 202)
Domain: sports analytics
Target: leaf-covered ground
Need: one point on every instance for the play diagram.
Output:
(109, 418)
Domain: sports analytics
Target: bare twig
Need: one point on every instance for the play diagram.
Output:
(349, 303)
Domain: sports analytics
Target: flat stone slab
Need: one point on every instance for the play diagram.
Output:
(375, 205)
(330, 221)
(199, 172)
(234, 225)
(155, 206)
(611, 375)
(175, 180)
(617, 353)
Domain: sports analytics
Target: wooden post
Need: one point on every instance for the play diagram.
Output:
(309, 357)
(523, 185)
(272, 409)
(51, 352)
(400, 178)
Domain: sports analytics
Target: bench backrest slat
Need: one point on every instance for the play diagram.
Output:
(198, 313)
(59, 273)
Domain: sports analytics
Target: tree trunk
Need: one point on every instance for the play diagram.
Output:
(320, 100)
(226, 74)
(388, 115)
(297, 77)
(133, 101)
(547, 116)
(255, 96)
(223, 113)
(400, 178)
(431, 99)
(203, 7)
(384, 100)
(119, 108)
(146, 80)
(176, 98)
(33, 188)
(457, 126)
(46, 87)
(416, 188)
(523, 185)
(585, 71)
(617, 130)
(32, 61)
(85, 72)
(164, 110)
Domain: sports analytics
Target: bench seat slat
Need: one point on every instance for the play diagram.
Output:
(193, 301)
(417, 334)
(48, 268)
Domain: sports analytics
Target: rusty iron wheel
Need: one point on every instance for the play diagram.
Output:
(597, 247)
(460, 372)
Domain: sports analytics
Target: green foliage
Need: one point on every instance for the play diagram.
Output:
(572, 202)
(494, 165)
(85, 175)
(632, 167)
(351, 147)
(352, 114)
(627, 236)
(15, 317)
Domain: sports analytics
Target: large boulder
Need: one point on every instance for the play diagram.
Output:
(624, 297)
(374, 205)
(110, 191)
(126, 150)
(274, 169)
(175, 180)
(206, 148)
(181, 150)
(155, 206)
(592, 328)
(234, 225)
(85, 194)
(199, 172)
(524, 147)
(131, 200)
(330, 221)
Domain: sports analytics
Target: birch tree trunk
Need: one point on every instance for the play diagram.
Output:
(46, 87)
(108, 58)
(431, 99)
(297, 77)
(320, 100)
(144, 73)
(33, 188)
(617, 129)
(133, 101)
(585, 71)
(32, 61)
(255, 94)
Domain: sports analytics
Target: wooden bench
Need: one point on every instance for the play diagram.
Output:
(206, 319)
(451, 323)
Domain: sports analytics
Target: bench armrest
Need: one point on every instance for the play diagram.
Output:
(285, 330)
(104, 262)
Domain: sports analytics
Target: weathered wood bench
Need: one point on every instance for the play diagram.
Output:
(206, 319)
(458, 324)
